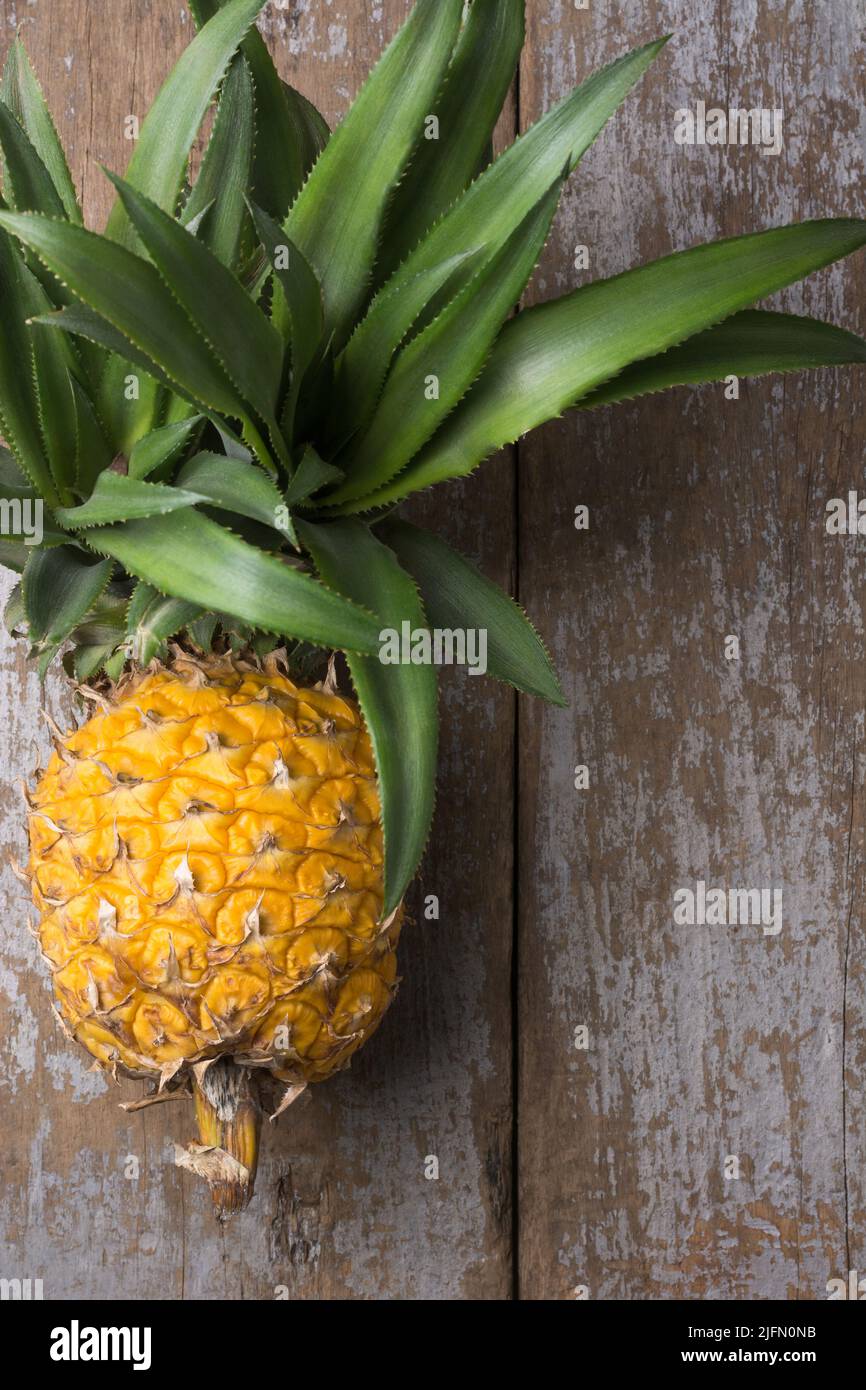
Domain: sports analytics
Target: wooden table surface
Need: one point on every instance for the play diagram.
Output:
(606, 1170)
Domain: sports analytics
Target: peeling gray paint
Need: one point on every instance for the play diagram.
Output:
(706, 519)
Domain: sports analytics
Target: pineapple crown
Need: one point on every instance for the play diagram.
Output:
(217, 405)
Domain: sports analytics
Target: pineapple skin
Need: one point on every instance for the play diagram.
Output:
(207, 862)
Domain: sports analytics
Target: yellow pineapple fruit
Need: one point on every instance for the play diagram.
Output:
(206, 859)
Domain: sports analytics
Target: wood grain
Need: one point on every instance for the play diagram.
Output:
(343, 1208)
(706, 519)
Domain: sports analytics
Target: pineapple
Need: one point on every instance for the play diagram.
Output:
(206, 858)
(216, 408)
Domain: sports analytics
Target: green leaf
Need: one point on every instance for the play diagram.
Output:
(22, 94)
(52, 375)
(104, 623)
(30, 188)
(398, 702)
(337, 217)
(120, 498)
(361, 368)
(162, 618)
(10, 469)
(28, 184)
(81, 664)
(467, 109)
(225, 173)
(240, 336)
(86, 324)
(232, 447)
(186, 555)
(552, 356)
(179, 410)
(14, 616)
(299, 312)
(54, 365)
(201, 632)
(314, 400)
(311, 475)
(130, 294)
(143, 596)
(59, 587)
(115, 664)
(301, 291)
(501, 198)
(236, 487)
(311, 131)
(750, 343)
(289, 132)
(279, 159)
(452, 350)
(13, 481)
(193, 224)
(92, 452)
(457, 597)
(159, 164)
(129, 416)
(14, 555)
(19, 409)
(161, 448)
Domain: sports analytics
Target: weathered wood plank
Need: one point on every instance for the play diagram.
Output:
(707, 519)
(343, 1208)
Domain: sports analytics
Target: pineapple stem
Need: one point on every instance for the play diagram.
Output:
(229, 1121)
